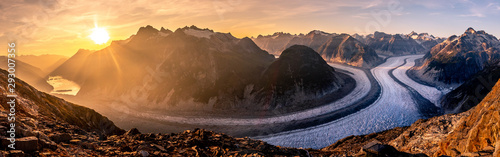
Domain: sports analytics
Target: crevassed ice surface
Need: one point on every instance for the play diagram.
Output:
(393, 108)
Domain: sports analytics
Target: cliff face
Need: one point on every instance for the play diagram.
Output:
(479, 131)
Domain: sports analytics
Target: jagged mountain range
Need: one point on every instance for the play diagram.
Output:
(332, 47)
(457, 58)
(360, 45)
(397, 44)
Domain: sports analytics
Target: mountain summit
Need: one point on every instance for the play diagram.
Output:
(459, 57)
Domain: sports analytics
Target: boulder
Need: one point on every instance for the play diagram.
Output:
(27, 144)
(60, 137)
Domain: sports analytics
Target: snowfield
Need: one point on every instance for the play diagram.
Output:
(362, 88)
(395, 107)
(430, 93)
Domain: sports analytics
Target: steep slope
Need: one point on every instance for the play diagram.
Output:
(28, 73)
(479, 131)
(299, 74)
(472, 91)
(35, 104)
(459, 57)
(346, 49)
(388, 44)
(274, 44)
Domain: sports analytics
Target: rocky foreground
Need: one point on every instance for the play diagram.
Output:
(46, 137)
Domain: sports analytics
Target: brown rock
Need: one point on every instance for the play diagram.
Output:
(58, 137)
(479, 130)
(27, 144)
(133, 131)
(15, 153)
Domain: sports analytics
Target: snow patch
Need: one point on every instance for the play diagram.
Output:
(199, 33)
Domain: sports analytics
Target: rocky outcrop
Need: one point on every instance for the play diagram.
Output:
(477, 132)
(346, 49)
(459, 57)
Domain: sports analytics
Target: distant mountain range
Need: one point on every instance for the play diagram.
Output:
(194, 69)
(457, 58)
(332, 47)
(356, 45)
(388, 44)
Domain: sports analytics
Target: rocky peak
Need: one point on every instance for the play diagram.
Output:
(147, 31)
(470, 30)
(317, 32)
(167, 31)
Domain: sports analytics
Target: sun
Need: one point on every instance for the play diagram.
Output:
(99, 35)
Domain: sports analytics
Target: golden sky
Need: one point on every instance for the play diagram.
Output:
(63, 26)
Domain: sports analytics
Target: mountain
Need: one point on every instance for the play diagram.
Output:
(424, 39)
(299, 74)
(190, 69)
(459, 57)
(472, 91)
(478, 131)
(332, 47)
(274, 44)
(313, 39)
(346, 49)
(190, 64)
(388, 44)
(47, 63)
(27, 72)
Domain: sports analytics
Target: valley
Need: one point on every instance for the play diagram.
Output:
(394, 107)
